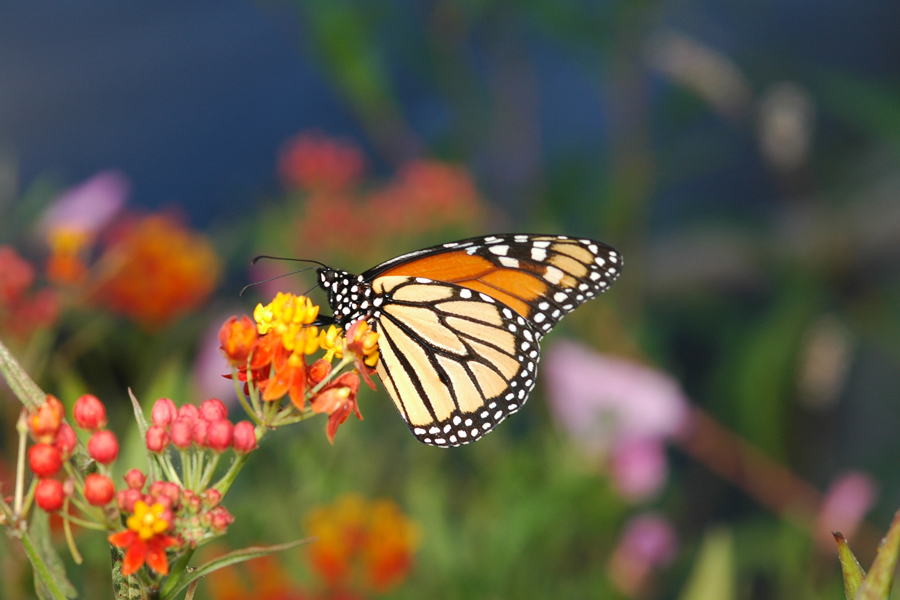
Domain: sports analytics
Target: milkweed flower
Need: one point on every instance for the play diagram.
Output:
(21, 311)
(357, 536)
(145, 540)
(313, 161)
(154, 270)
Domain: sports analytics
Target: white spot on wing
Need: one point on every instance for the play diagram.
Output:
(500, 250)
(506, 261)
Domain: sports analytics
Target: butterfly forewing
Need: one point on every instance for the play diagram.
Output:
(456, 364)
(540, 277)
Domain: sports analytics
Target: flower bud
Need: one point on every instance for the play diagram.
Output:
(65, 441)
(219, 434)
(44, 460)
(160, 489)
(134, 479)
(46, 420)
(191, 501)
(98, 489)
(237, 338)
(157, 439)
(218, 519)
(199, 432)
(213, 409)
(212, 497)
(318, 371)
(89, 412)
(189, 412)
(164, 412)
(49, 495)
(125, 500)
(182, 433)
(243, 437)
(103, 447)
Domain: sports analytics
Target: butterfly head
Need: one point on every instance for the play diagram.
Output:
(348, 295)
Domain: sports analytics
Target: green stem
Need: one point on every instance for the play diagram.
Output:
(67, 529)
(169, 468)
(185, 468)
(223, 485)
(209, 470)
(95, 513)
(84, 523)
(29, 496)
(243, 399)
(25, 389)
(176, 573)
(40, 567)
(296, 419)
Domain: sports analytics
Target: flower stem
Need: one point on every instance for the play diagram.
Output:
(209, 470)
(243, 399)
(22, 428)
(67, 529)
(40, 567)
(176, 573)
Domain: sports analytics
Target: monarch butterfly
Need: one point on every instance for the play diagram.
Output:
(459, 324)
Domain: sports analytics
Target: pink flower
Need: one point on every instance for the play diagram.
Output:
(601, 400)
(846, 502)
(648, 542)
(639, 468)
(88, 207)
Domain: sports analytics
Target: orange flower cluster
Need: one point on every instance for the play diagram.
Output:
(356, 536)
(426, 197)
(21, 311)
(155, 270)
(145, 540)
(271, 354)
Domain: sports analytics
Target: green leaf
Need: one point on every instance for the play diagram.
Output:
(853, 572)
(877, 584)
(231, 558)
(712, 577)
(125, 587)
(49, 573)
(143, 426)
(21, 384)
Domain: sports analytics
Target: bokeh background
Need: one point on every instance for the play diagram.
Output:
(697, 431)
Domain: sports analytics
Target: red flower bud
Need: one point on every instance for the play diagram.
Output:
(163, 413)
(90, 413)
(318, 371)
(45, 460)
(98, 489)
(125, 500)
(237, 338)
(65, 440)
(165, 489)
(218, 435)
(49, 495)
(212, 497)
(182, 433)
(46, 420)
(192, 501)
(243, 437)
(134, 479)
(199, 432)
(189, 412)
(218, 519)
(213, 409)
(103, 447)
(157, 439)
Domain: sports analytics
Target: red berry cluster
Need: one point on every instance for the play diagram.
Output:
(56, 442)
(204, 427)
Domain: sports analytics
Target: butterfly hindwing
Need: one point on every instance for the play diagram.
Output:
(456, 362)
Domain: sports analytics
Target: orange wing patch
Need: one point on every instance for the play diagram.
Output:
(513, 288)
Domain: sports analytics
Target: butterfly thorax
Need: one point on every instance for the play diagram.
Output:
(349, 297)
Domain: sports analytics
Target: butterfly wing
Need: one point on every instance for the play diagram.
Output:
(456, 362)
(540, 277)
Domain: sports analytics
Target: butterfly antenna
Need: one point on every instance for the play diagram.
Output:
(261, 256)
(250, 285)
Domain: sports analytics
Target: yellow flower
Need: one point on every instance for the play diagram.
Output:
(290, 317)
(332, 342)
(147, 521)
